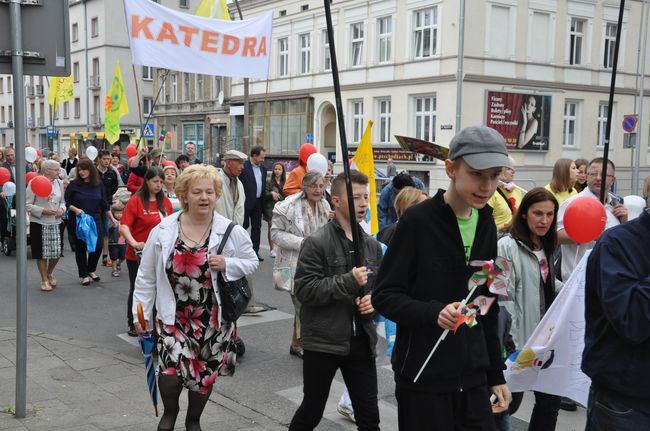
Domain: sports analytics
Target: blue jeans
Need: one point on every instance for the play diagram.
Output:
(606, 412)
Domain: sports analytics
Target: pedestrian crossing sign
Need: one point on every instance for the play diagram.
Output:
(147, 130)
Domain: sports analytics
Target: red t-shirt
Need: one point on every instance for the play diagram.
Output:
(141, 222)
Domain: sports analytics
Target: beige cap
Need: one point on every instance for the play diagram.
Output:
(234, 155)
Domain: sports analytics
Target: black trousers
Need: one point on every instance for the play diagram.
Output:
(360, 376)
(132, 266)
(253, 217)
(86, 262)
(425, 411)
(4, 219)
(545, 411)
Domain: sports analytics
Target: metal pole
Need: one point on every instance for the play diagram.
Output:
(637, 149)
(344, 142)
(21, 235)
(461, 60)
(612, 87)
(246, 97)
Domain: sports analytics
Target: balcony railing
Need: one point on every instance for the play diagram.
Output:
(93, 82)
(95, 120)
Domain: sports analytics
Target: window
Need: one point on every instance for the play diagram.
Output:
(77, 107)
(174, 88)
(576, 33)
(194, 132)
(218, 86)
(75, 71)
(384, 34)
(384, 121)
(281, 124)
(425, 32)
(570, 123)
(198, 89)
(94, 27)
(305, 53)
(500, 32)
(283, 60)
(97, 107)
(602, 123)
(357, 44)
(96, 68)
(147, 105)
(146, 73)
(10, 113)
(540, 42)
(163, 87)
(66, 109)
(357, 120)
(327, 58)
(2, 114)
(425, 118)
(183, 3)
(610, 41)
(75, 32)
(2, 85)
(9, 86)
(304, 7)
(186, 86)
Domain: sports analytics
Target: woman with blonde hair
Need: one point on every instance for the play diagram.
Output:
(406, 198)
(563, 180)
(178, 274)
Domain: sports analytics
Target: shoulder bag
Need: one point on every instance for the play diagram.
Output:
(236, 294)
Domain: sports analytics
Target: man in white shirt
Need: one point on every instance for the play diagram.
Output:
(572, 252)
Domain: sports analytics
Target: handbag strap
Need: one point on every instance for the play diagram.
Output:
(225, 237)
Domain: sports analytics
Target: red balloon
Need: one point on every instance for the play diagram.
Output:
(30, 176)
(5, 175)
(585, 219)
(306, 150)
(39, 153)
(41, 186)
(131, 150)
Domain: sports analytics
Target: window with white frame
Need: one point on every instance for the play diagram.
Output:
(305, 53)
(576, 40)
(283, 56)
(75, 32)
(198, 89)
(66, 109)
(570, 124)
(75, 71)
(146, 73)
(186, 86)
(425, 118)
(183, 4)
(327, 58)
(147, 105)
(174, 88)
(499, 31)
(425, 32)
(357, 35)
(94, 27)
(77, 107)
(610, 42)
(9, 85)
(10, 113)
(602, 123)
(540, 48)
(2, 114)
(2, 85)
(356, 107)
(384, 36)
(384, 110)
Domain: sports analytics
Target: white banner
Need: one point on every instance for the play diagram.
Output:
(550, 361)
(162, 37)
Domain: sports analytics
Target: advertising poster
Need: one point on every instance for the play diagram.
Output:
(522, 118)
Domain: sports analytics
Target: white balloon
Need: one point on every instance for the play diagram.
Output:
(317, 162)
(30, 154)
(635, 206)
(9, 188)
(91, 152)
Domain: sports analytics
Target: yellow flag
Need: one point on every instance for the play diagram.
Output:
(61, 90)
(213, 9)
(365, 162)
(115, 107)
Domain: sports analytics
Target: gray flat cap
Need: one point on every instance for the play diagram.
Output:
(234, 155)
(481, 147)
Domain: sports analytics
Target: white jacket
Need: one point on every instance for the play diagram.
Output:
(225, 206)
(152, 284)
(36, 204)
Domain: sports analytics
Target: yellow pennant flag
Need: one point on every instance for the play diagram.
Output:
(213, 9)
(61, 90)
(365, 163)
(115, 107)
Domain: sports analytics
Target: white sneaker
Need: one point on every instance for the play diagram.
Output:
(272, 253)
(346, 413)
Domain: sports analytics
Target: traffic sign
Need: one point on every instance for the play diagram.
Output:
(51, 132)
(629, 123)
(147, 131)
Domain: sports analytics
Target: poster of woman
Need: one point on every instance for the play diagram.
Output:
(522, 118)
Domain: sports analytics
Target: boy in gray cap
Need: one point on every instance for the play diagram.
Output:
(421, 282)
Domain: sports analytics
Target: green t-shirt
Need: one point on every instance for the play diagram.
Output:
(467, 228)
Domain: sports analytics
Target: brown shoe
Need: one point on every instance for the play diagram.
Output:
(51, 280)
(45, 286)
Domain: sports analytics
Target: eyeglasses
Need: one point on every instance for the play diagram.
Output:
(316, 187)
(596, 174)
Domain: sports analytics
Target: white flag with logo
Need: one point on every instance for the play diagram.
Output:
(162, 37)
(550, 360)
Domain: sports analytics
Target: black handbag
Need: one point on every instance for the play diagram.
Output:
(236, 294)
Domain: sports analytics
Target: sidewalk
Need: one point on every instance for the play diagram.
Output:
(78, 387)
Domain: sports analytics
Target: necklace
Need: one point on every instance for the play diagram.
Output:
(196, 243)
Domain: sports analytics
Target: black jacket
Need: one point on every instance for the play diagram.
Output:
(247, 178)
(110, 181)
(68, 164)
(327, 289)
(424, 270)
(617, 307)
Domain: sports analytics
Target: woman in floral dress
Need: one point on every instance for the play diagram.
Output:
(178, 272)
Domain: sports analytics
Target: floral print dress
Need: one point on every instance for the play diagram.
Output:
(198, 347)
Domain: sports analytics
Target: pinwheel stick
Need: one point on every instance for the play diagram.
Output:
(443, 335)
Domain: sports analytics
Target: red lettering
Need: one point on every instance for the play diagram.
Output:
(209, 41)
(249, 46)
(189, 33)
(261, 50)
(230, 45)
(167, 33)
(138, 26)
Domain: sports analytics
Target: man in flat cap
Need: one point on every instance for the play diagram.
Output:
(231, 202)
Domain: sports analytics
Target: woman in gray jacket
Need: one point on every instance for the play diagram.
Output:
(529, 248)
